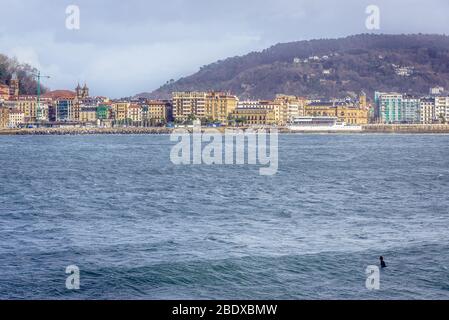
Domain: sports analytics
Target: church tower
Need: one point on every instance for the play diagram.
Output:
(85, 91)
(14, 87)
(362, 100)
(82, 92)
(78, 91)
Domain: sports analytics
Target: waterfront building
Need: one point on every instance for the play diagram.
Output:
(4, 116)
(388, 107)
(145, 114)
(4, 92)
(82, 103)
(188, 105)
(75, 109)
(16, 118)
(398, 108)
(347, 113)
(320, 109)
(291, 107)
(94, 101)
(28, 106)
(411, 107)
(276, 108)
(442, 109)
(42, 112)
(427, 111)
(52, 112)
(64, 110)
(88, 114)
(103, 112)
(352, 115)
(10, 92)
(135, 114)
(159, 111)
(253, 116)
(120, 111)
(219, 105)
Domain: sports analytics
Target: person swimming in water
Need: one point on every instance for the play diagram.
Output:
(382, 262)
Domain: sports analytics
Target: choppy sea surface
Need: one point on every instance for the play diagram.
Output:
(140, 227)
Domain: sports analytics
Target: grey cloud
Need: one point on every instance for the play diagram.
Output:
(124, 47)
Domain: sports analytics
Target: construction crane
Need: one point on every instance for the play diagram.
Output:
(38, 76)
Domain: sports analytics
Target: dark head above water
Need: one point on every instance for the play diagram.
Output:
(382, 262)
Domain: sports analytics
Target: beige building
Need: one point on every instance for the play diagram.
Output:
(159, 111)
(75, 110)
(352, 115)
(427, 111)
(348, 114)
(16, 118)
(27, 105)
(291, 107)
(203, 105)
(188, 104)
(219, 105)
(4, 92)
(4, 117)
(88, 114)
(253, 116)
(120, 110)
(276, 108)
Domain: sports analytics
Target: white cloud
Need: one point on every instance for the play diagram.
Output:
(128, 47)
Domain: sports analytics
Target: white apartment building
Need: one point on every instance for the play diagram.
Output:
(411, 108)
(135, 113)
(442, 108)
(42, 112)
(293, 107)
(436, 90)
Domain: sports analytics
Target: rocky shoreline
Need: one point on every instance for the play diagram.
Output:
(406, 128)
(84, 131)
(372, 128)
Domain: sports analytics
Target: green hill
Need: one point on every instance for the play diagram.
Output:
(338, 67)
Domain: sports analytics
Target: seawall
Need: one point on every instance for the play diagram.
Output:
(83, 131)
(372, 128)
(406, 128)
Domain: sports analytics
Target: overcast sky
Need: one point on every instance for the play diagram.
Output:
(127, 47)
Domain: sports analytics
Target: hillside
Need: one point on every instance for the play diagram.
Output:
(340, 67)
(27, 84)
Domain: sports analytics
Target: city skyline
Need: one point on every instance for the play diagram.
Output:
(215, 108)
(154, 43)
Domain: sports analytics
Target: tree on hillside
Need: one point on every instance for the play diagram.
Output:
(27, 83)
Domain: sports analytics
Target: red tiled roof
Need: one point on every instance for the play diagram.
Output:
(57, 94)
